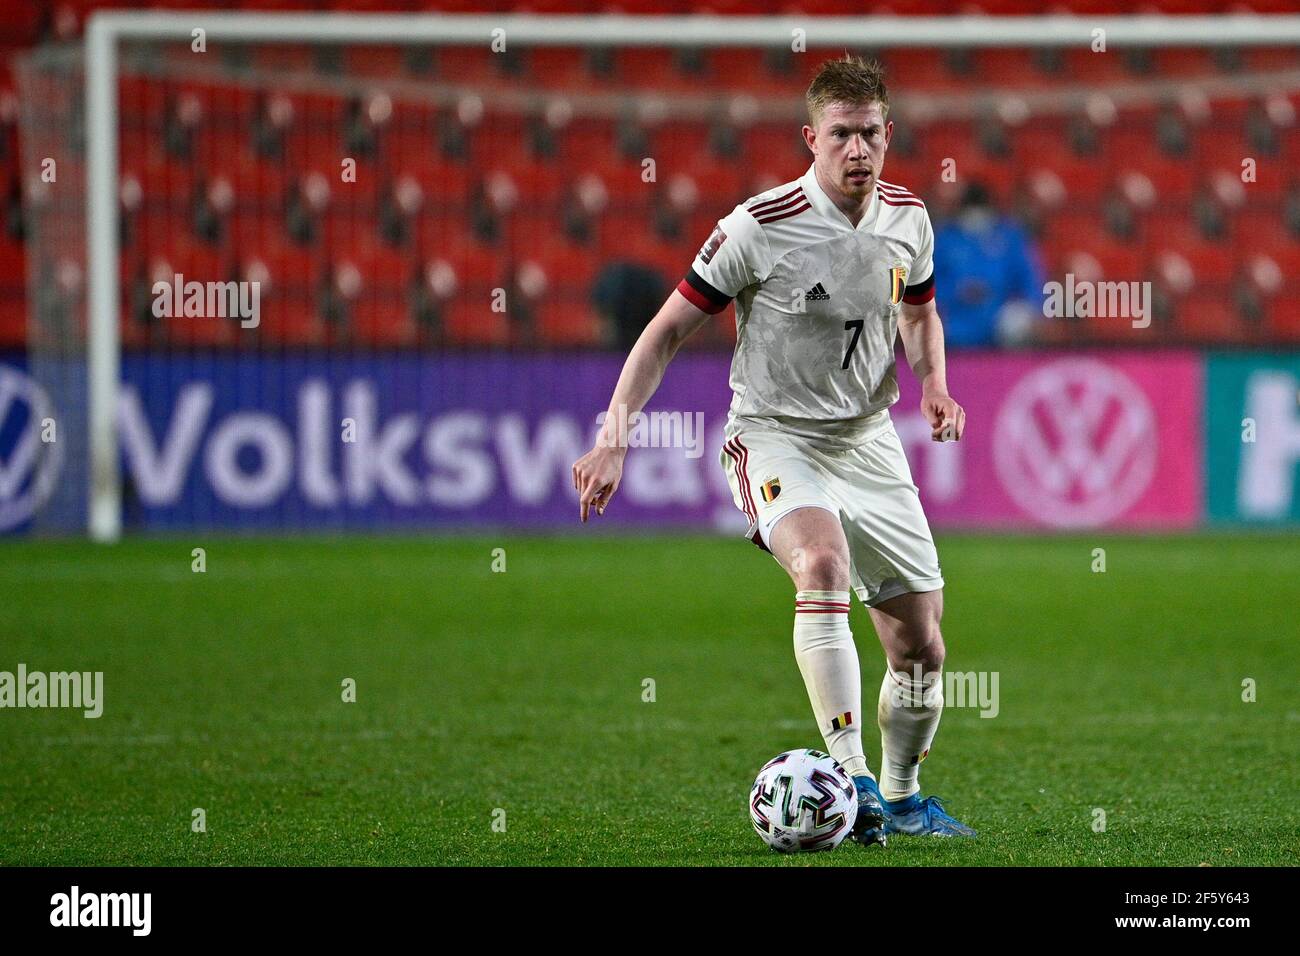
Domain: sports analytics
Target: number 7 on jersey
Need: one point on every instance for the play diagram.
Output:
(856, 326)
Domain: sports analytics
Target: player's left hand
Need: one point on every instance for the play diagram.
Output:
(947, 419)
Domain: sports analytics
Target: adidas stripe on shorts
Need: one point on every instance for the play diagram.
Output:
(868, 487)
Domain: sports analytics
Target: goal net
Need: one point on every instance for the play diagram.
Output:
(274, 257)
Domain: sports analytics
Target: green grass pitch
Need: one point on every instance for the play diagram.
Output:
(522, 691)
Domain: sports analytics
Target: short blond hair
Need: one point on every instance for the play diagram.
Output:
(851, 80)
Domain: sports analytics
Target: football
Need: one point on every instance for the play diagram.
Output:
(803, 801)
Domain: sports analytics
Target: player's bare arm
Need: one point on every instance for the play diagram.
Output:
(922, 334)
(596, 474)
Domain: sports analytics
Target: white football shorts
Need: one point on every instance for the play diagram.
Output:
(869, 487)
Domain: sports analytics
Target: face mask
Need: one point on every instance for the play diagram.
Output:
(977, 218)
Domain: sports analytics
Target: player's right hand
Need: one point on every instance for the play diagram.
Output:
(596, 476)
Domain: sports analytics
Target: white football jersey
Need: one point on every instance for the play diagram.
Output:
(817, 303)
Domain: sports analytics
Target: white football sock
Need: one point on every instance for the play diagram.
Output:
(908, 712)
(828, 660)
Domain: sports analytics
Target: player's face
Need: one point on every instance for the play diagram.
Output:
(849, 147)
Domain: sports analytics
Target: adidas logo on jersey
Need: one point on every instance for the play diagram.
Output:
(816, 294)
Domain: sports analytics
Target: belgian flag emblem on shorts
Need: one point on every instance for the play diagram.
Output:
(897, 283)
(771, 488)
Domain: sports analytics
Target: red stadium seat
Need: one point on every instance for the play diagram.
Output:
(569, 323)
(908, 68)
(289, 321)
(721, 185)
(161, 223)
(652, 67)
(467, 64)
(1211, 261)
(1007, 68)
(561, 68)
(587, 141)
(1282, 314)
(378, 61)
(1209, 317)
(779, 145)
(1174, 182)
(472, 322)
(1182, 61)
(730, 63)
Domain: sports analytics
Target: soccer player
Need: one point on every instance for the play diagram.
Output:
(825, 270)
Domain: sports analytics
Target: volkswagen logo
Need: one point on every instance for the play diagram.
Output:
(1075, 443)
(29, 467)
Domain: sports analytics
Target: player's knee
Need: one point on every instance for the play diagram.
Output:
(926, 638)
(933, 652)
(921, 648)
(820, 569)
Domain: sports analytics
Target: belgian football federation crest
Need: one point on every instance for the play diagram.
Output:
(771, 488)
(897, 283)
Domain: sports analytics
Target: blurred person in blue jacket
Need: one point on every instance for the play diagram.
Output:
(989, 277)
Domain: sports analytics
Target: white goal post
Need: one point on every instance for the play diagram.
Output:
(106, 29)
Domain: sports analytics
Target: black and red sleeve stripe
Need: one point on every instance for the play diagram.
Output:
(702, 295)
(920, 293)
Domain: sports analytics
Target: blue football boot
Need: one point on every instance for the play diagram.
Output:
(869, 827)
(916, 817)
